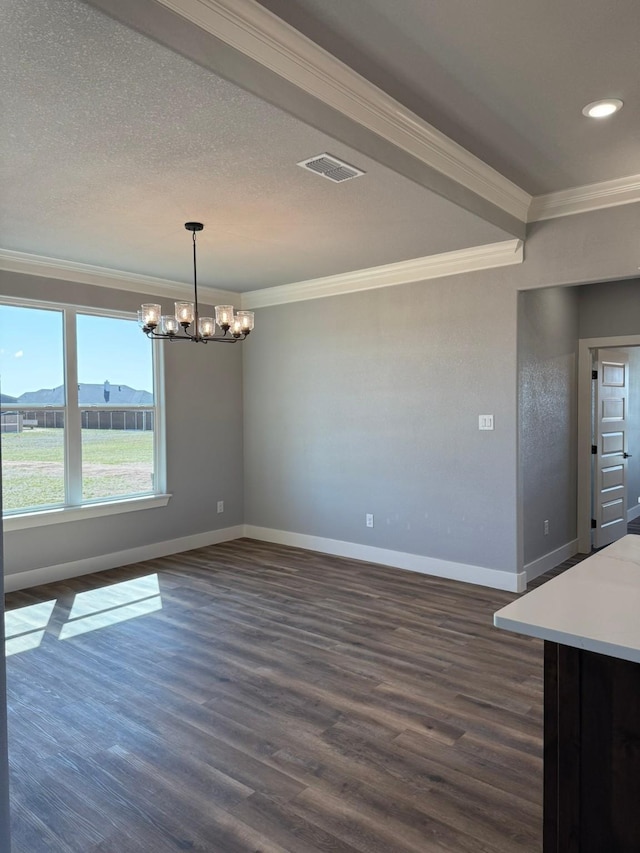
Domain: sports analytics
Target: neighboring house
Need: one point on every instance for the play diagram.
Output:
(88, 395)
(96, 416)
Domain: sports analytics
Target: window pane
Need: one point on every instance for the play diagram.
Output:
(32, 458)
(115, 369)
(115, 363)
(31, 356)
(117, 452)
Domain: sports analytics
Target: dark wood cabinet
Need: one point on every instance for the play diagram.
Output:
(591, 752)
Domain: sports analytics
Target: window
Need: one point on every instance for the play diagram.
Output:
(79, 416)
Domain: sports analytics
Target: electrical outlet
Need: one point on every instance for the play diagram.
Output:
(369, 519)
(220, 506)
(546, 527)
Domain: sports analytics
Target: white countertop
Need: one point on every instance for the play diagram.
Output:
(594, 606)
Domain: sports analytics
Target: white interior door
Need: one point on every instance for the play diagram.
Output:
(609, 474)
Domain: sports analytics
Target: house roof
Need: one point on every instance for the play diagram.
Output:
(126, 120)
(88, 395)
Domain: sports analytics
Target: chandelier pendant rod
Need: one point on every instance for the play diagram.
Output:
(197, 336)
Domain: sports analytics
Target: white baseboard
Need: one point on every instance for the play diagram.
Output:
(511, 581)
(49, 574)
(550, 561)
(633, 513)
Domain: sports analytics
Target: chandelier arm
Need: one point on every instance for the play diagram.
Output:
(151, 333)
(220, 339)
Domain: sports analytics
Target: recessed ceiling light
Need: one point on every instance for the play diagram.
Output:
(602, 109)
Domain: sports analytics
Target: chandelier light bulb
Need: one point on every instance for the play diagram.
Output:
(151, 314)
(169, 325)
(207, 327)
(246, 320)
(224, 316)
(185, 313)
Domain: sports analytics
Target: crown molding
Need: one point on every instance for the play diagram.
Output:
(586, 198)
(418, 269)
(263, 37)
(22, 262)
(404, 272)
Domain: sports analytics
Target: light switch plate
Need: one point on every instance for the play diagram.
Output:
(485, 421)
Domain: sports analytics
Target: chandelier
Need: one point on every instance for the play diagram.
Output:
(187, 324)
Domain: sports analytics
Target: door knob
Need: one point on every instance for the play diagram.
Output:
(627, 455)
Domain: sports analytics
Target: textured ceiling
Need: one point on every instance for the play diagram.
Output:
(507, 79)
(110, 142)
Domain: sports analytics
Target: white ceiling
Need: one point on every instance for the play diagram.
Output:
(111, 140)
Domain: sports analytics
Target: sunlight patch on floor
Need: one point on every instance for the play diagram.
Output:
(25, 627)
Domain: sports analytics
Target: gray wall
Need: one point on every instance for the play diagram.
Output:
(347, 412)
(204, 445)
(370, 402)
(589, 247)
(611, 309)
(548, 363)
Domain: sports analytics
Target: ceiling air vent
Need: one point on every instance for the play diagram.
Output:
(329, 167)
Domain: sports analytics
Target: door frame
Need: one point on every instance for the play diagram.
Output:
(585, 345)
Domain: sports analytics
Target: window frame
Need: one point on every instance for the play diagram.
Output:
(74, 506)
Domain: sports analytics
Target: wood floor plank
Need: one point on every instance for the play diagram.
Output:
(271, 699)
(452, 798)
(283, 823)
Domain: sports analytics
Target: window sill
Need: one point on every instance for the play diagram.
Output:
(41, 518)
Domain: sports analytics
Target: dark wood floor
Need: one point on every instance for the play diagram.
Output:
(251, 697)
(634, 526)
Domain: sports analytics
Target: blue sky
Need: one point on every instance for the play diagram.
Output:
(31, 351)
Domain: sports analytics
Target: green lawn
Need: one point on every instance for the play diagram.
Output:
(114, 463)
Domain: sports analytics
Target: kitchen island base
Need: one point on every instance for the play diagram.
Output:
(591, 752)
